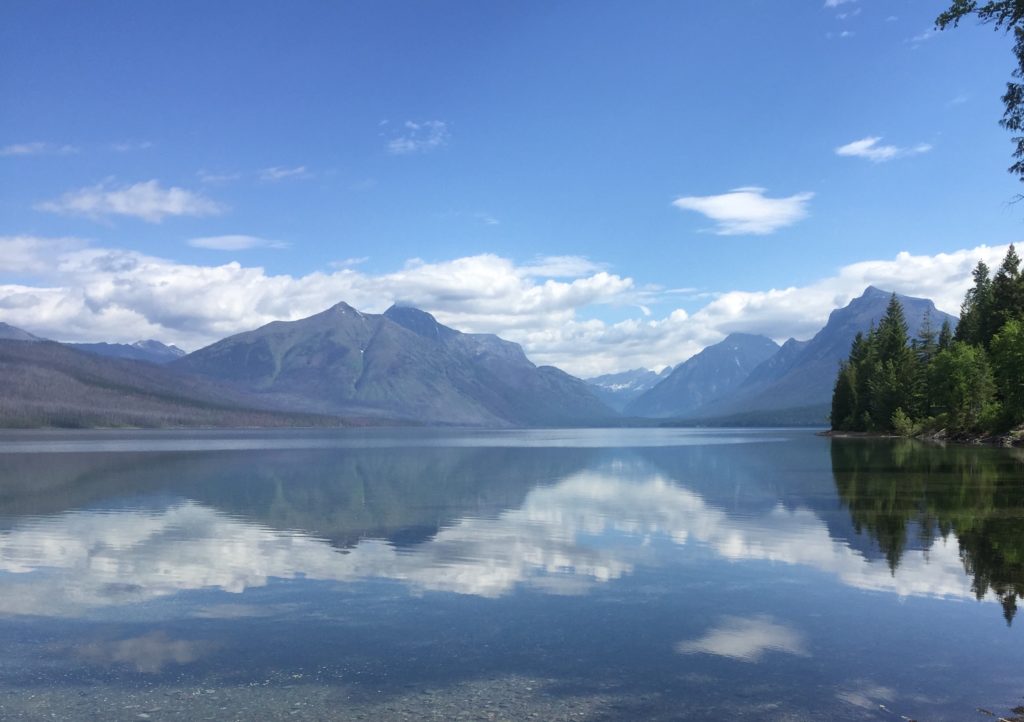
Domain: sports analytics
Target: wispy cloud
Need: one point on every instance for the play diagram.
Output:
(235, 242)
(837, 3)
(278, 173)
(870, 149)
(747, 211)
(147, 200)
(212, 178)
(916, 40)
(37, 148)
(128, 146)
(419, 137)
(561, 267)
(350, 262)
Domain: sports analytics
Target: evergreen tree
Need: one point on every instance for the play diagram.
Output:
(925, 347)
(844, 398)
(1007, 294)
(1008, 368)
(976, 308)
(964, 387)
(891, 337)
(946, 336)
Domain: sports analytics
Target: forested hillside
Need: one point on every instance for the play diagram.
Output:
(970, 381)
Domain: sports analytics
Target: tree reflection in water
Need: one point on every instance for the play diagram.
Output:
(905, 493)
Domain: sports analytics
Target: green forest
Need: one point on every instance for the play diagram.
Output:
(965, 382)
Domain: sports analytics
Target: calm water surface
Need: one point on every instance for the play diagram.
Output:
(596, 575)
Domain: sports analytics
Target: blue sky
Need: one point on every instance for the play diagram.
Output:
(581, 152)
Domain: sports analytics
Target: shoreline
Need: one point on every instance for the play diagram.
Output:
(1007, 440)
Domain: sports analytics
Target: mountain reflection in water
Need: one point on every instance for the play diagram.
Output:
(79, 532)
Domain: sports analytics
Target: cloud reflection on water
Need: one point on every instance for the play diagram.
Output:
(747, 639)
(589, 528)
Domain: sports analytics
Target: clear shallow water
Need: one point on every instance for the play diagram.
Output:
(605, 574)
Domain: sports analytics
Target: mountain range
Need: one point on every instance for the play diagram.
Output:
(403, 366)
(709, 375)
(792, 385)
(149, 350)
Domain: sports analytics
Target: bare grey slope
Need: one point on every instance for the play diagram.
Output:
(12, 333)
(402, 364)
(710, 374)
(48, 384)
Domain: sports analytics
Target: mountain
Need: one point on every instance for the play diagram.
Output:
(795, 386)
(152, 351)
(617, 390)
(10, 333)
(709, 375)
(402, 364)
(47, 384)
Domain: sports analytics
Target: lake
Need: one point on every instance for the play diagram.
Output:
(551, 575)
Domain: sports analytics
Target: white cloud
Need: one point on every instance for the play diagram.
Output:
(419, 137)
(747, 640)
(277, 173)
(746, 211)
(128, 146)
(870, 149)
(30, 254)
(147, 200)
(837, 3)
(91, 294)
(235, 243)
(37, 148)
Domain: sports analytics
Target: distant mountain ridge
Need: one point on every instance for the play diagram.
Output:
(401, 364)
(11, 333)
(795, 385)
(704, 377)
(49, 384)
(618, 389)
(149, 350)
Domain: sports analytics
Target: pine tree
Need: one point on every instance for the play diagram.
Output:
(925, 347)
(1007, 294)
(892, 333)
(844, 399)
(1008, 368)
(946, 336)
(976, 308)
